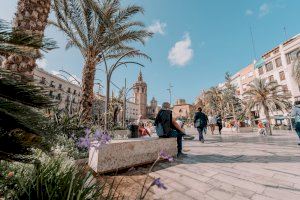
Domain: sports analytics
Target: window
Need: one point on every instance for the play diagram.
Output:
(291, 56)
(278, 62)
(58, 96)
(51, 93)
(69, 90)
(68, 99)
(52, 84)
(282, 75)
(269, 66)
(271, 78)
(74, 92)
(43, 80)
(60, 86)
(285, 88)
(261, 70)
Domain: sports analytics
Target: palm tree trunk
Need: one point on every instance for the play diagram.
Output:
(267, 114)
(31, 17)
(88, 77)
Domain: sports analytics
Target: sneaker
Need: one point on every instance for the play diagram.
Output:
(180, 155)
(202, 140)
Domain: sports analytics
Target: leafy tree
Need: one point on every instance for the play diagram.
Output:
(231, 101)
(268, 96)
(98, 28)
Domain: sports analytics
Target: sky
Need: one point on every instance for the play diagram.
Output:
(195, 43)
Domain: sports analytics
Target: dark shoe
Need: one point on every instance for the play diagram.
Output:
(180, 155)
(202, 140)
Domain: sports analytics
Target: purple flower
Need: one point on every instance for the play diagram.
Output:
(99, 138)
(159, 184)
(165, 156)
(85, 142)
(98, 135)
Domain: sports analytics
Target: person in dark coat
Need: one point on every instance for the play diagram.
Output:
(170, 127)
(200, 122)
(219, 123)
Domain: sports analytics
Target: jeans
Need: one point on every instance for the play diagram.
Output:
(178, 135)
(200, 131)
(297, 126)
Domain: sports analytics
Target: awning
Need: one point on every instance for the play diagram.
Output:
(259, 63)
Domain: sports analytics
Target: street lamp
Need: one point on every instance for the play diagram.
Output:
(109, 71)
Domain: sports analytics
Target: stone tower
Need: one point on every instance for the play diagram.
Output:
(140, 94)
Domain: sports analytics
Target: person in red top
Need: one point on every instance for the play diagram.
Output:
(261, 128)
(143, 131)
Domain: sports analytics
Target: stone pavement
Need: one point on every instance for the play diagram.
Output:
(234, 167)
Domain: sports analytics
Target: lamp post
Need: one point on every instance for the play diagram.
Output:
(170, 93)
(126, 91)
(109, 71)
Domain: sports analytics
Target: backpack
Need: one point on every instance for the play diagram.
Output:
(159, 127)
(297, 118)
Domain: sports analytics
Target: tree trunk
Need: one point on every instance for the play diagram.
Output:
(266, 112)
(31, 18)
(88, 77)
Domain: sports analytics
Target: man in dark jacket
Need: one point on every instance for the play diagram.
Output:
(200, 122)
(170, 127)
(220, 123)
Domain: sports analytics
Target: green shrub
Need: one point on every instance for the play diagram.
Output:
(57, 180)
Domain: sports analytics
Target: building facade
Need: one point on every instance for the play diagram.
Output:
(274, 65)
(66, 93)
(182, 110)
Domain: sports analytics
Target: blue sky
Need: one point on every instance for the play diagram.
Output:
(196, 41)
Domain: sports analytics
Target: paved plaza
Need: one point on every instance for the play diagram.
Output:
(236, 167)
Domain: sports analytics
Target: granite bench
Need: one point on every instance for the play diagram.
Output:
(123, 154)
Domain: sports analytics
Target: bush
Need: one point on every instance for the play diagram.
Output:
(56, 180)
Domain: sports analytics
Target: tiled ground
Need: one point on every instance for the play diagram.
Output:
(236, 167)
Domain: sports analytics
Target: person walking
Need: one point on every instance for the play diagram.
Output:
(296, 113)
(219, 123)
(212, 123)
(200, 122)
(166, 127)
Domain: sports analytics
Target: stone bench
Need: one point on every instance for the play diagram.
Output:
(122, 154)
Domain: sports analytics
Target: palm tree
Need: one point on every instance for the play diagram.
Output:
(268, 96)
(22, 126)
(214, 100)
(31, 18)
(296, 68)
(21, 44)
(98, 29)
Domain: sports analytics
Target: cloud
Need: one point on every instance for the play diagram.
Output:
(181, 53)
(41, 63)
(264, 9)
(249, 12)
(157, 27)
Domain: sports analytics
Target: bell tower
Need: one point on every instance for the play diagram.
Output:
(140, 95)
